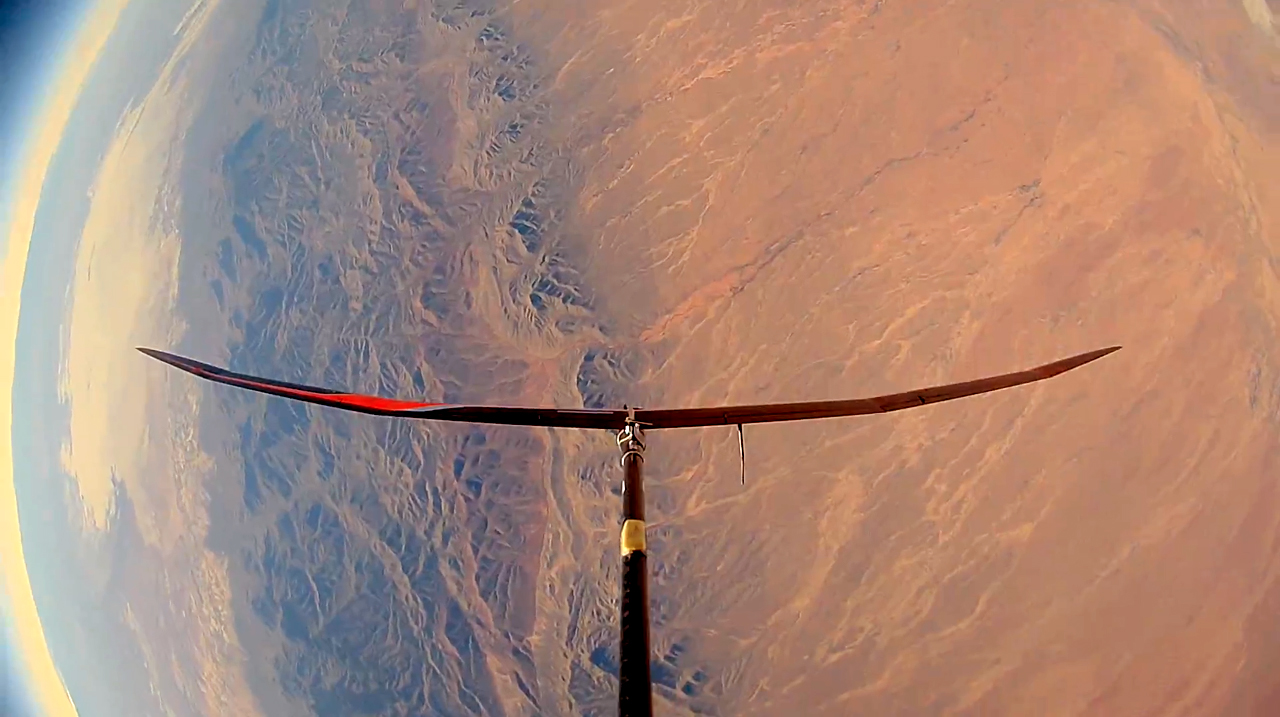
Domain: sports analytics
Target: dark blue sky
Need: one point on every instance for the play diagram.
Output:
(29, 30)
(25, 28)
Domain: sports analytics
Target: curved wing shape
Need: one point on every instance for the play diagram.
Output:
(502, 415)
(615, 418)
(770, 412)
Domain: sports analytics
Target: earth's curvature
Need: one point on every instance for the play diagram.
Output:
(530, 202)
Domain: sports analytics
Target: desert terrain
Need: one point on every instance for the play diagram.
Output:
(685, 203)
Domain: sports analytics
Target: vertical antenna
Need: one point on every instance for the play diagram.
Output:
(742, 454)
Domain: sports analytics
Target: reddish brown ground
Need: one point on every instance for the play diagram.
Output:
(825, 199)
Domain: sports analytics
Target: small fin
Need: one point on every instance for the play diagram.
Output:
(742, 454)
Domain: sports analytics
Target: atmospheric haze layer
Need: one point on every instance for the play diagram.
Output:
(34, 673)
(677, 204)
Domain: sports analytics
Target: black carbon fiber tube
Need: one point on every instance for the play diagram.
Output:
(635, 696)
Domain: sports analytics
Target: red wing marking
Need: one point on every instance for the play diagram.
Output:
(615, 419)
(355, 400)
(311, 394)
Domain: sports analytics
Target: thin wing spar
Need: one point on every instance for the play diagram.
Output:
(615, 419)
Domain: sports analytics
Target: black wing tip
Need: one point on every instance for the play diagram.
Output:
(1073, 362)
(174, 360)
(159, 355)
(1099, 353)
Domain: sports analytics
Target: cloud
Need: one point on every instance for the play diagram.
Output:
(42, 678)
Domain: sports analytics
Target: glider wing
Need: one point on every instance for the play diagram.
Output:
(768, 413)
(614, 419)
(503, 415)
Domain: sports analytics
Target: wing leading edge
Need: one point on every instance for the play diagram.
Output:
(615, 418)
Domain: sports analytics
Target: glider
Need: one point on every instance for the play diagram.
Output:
(634, 688)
